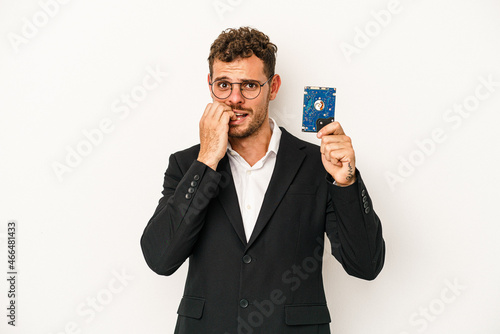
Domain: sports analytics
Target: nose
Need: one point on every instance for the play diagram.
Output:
(235, 97)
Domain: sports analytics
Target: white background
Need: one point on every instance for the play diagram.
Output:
(78, 231)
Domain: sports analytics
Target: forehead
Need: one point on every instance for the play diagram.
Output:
(240, 68)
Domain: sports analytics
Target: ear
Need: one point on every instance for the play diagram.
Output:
(275, 86)
(208, 81)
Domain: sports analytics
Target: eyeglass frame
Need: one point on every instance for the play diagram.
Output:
(239, 83)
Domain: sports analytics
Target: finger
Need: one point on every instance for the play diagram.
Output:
(213, 113)
(335, 146)
(222, 109)
(331, 160)
(333, 128)
(227, 116)
(343, 155)
(336, 139)
(222, 106)
(206, 112)
(224, 113)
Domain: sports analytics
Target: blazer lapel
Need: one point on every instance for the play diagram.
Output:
(229, 199)
(288, 161)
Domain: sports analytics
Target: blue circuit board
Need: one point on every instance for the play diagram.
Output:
(319, 107)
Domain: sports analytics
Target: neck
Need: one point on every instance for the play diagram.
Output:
(254, 147)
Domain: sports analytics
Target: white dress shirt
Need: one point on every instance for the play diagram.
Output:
(251, 182)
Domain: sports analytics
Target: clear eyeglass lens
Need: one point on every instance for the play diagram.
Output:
(222, 89)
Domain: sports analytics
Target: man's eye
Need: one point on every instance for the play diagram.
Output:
(249, 85)
(223, 85)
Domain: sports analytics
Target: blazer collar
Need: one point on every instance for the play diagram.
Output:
(288, 161)
(229, 199)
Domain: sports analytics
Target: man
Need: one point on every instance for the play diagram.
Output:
(249, 206)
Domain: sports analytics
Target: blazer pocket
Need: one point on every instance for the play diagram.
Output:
(307, 314)
(191, 307)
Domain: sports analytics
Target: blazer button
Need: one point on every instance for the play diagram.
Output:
(367, 210)
(247, 259)
(244, 303)
(196, 177)
(188, 196)
(363, 192)
(364, 199)
(191, 190)
(366, 205)
(194, 183)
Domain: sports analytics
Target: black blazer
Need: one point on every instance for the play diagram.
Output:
(272, 284)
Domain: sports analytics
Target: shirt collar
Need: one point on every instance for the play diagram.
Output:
(274, 144)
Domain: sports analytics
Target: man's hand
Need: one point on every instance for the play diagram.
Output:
(337, 154)
(214, 128)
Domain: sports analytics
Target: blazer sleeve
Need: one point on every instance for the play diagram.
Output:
(354, 230)
(172, 232)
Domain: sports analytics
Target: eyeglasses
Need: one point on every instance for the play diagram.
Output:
(250, 89)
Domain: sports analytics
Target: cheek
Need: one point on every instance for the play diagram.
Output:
(259, 106)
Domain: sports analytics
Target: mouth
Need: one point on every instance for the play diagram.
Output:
(240, 116)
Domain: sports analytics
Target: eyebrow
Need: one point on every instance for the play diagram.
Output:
(225, 77)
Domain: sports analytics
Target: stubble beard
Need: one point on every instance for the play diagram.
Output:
(259, 117)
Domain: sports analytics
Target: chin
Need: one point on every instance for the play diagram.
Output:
(239, 133)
